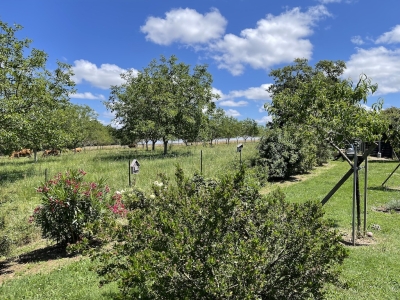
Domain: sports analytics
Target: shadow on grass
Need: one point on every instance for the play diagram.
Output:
(49, 253)
(384, 188)
(383, 161)
(112, 295)
(334, 223)
(294, 178)
(140, 155)
(10, 177)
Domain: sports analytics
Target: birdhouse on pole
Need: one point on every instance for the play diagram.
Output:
(135, 167)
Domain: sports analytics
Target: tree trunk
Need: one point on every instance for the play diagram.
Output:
(35, 155)
(153, 146)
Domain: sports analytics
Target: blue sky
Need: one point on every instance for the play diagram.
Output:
(240, 41)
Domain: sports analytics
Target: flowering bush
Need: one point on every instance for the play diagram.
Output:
(69, 204)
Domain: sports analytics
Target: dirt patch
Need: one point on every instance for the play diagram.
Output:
(386, 210)
(361, 241)
(41, 260)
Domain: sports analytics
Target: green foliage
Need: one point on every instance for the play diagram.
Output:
(286, 153)
(209, 239)
(30, 95)
(164, 99)
(69, 204)
(5, 242)
(317, 101)
(392, 117)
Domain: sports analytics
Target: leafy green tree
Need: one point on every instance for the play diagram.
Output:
(285, 152)
(248, 128)
(78, 120)
(324, 107)
(29, 93)
(319, 102)
(229, 125)
(166, 93)
(99, 134)
(215, 119)
(392, 116)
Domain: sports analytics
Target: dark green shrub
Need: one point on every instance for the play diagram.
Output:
(286, 153)
(69, 204)
(208, 239)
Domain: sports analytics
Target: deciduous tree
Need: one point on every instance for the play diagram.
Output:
(167, 93)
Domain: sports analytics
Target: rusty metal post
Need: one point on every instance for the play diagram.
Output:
(365, 195)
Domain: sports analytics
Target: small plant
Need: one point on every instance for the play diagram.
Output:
(393, 205)
(69, 204)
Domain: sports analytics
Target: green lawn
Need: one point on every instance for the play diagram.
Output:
(371, 272)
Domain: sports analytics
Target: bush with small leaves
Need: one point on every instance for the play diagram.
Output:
(220, 239)
(69, 204)
(286, 153)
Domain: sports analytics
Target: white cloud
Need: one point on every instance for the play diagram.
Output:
(88, 95)
(329, 1)
(186, 26)
(380, 64)
(231, 103)
(261, 109)
(103, 77)
(264, 120)
(357, 40)
(276, 39)
(252, 93)
(232, 113)
(219, 93)
(390, 37)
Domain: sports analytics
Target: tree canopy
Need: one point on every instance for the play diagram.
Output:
(166, 99)
(318, 101)
(29, 93)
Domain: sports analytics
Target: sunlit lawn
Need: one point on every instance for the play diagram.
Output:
(371, 272)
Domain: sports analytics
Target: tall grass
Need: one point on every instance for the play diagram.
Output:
(19, 178)
(371, 271)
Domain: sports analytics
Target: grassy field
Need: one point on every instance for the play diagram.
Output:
(37, 270)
